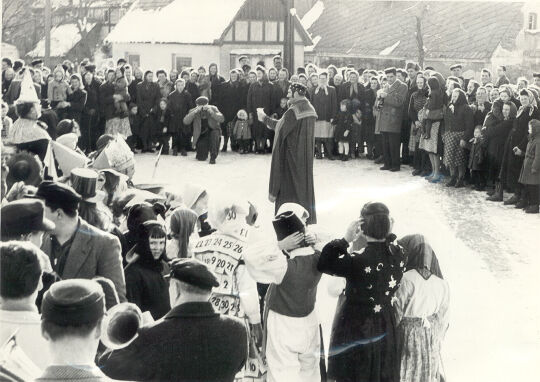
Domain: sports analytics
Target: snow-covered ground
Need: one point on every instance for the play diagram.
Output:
(489, 253)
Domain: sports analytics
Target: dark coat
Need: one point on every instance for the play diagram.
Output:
(496, 136)
(179, 106)
(511, 163)
(460, 120)
(132, 89)
(477, 157)
(77, 101)
(146, 288)
(346, 92)
(14, 91)
(215, 88)
(92, 95)
(106, 101)
(193, 89)
(260, 95)
(192, 343)
(148, 96)
(230, 101)
(92, 253)
(480, 116)
(325, 105)
(373, 276)
(532, 161)
(391, 114)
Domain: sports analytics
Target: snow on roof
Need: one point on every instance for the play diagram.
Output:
(256, 51)
(63, 38)
(390, 49)
(201, 22)
(313, 14)
(10, 51)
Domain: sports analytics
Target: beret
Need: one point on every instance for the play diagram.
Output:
(73, 302)
(58, 194)
(193, 272)
(298, 87)
(201, 101)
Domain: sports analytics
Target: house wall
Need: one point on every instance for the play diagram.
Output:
(160, 56)
(250, 51)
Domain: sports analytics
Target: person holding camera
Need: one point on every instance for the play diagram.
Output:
(206, 121)
(363, 341)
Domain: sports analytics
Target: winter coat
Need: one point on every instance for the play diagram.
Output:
(215, 87)
(230, 99)
(132, 89)
(532, 160)
(460, 120)
(194, 116)
(260, 95)
(163, 118)
(417, 102)
(77, 101)
(179, 106)
(57, 91)
(369, 101)
(325, 104)
(511, 163)
(343, 122)
(193, 89)
(477, 157)
(391, 113)
(146, 288)
(346, 92)
(242, 130)
(14, 91)
(106, 100)
(148, 96)
(480, 116)
(92, 95)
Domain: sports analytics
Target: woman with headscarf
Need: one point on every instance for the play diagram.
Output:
(145, 285)
(496, 135)
(514, 149)
(229, 102)
(459, 129)
(182, 226)
(196, 199)
(421, 311)
(215, 83)
(76, 99)
(472, 87)
(363, 343)
(416, 105)
(148, 96)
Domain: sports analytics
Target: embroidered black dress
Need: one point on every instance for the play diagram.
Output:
(363, 341)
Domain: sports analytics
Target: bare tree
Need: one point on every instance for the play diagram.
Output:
(16, 15)
(82, 17)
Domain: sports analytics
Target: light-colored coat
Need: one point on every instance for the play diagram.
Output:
(391, 115)
(532, 161)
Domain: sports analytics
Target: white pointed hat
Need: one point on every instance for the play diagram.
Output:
(28, 91)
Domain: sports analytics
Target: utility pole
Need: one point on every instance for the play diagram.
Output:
(48, 22)
(288, 40)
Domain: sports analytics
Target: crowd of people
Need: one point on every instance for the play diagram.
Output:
(456, 131)
(220, 299)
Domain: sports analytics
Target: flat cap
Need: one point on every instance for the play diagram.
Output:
(193, 272)
(456, 66)
(536, 75)
(24, 216)
(201, 101)
(73, 302)
(36, 62)
(58, 194)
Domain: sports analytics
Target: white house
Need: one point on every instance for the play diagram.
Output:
(175, 34)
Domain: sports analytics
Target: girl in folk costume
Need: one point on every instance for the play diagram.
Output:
(292, 338)
(236, 295)
(421, 309)
(182, 227)
(145, 285)
(365, 319)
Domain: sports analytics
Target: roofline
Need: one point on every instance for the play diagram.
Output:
(162, 42)
(220, 39)
(379, 57)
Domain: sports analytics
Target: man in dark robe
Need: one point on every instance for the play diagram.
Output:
(291, 174)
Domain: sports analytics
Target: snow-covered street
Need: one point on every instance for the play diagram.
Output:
(489, 253)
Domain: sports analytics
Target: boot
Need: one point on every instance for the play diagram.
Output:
(532, 209)
(459, 183)
(175, 152)
(416, 173)
(513, 200)
(345, 158)
(225, 143)
(379, 160)
(452, 182)
(497, 195)
(318, 149)
(521, 204)
(328, 148)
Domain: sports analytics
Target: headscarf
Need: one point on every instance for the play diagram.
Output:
(183, 221)
(420, 256)
(228, 217)
(532, 103)
(142, 248)
(191, 194)
(462, 98)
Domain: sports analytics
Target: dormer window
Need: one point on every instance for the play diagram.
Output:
(532, 22)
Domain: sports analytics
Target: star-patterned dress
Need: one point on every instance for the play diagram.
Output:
(363, 341)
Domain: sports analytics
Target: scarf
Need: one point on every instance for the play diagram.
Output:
(354, 88)
(420, 256)
(530, 106)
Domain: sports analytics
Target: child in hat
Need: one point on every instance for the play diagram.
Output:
(58, 88)
(242, 131)
(530, 172)
(135, 125)
(477, 159)
(343, 122)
